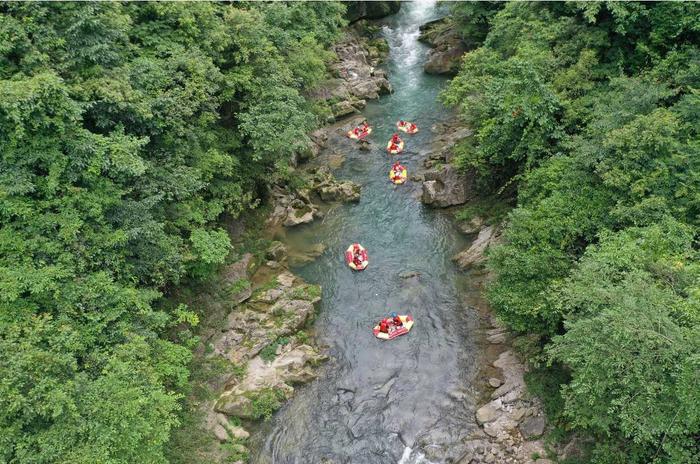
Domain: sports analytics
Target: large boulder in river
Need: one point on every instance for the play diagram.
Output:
(345, 191)
(448, 47)
(330, 189)
(292, 365)
(446, 186)
(356, 78)
(371, 10)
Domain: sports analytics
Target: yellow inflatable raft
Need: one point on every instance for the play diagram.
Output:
(393, 330)
(398, 176)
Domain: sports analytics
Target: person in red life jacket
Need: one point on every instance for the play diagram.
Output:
(412, 127)
(384, 326)
(357, 260)
(356, 131)
(396, 320)
(396, 169)
(402, 123)
(395, 139)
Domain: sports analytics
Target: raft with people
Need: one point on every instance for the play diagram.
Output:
(395, 145)
(392, 327)
(356, 257)
(398, 173)
(360, 132)
(407, 127)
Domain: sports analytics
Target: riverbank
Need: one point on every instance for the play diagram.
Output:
(511, 420)
(256, 334)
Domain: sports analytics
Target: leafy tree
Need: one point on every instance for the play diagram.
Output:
(128, 132)
(589, 112)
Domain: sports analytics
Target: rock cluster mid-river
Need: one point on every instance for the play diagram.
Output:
(410, 400)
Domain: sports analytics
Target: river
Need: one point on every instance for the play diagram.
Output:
(410, 400)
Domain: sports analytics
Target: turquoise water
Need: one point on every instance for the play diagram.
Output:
(408, 400)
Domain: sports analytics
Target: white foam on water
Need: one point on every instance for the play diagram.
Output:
(405, 456)
(409, 458)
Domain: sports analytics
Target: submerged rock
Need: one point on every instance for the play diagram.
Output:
(307, 255)
(276, 252)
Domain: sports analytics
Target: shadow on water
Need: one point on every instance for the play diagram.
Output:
(408, 400)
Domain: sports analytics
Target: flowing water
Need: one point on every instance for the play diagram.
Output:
(408, 400)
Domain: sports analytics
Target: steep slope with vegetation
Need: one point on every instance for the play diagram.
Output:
(128, 132)
(592, 112)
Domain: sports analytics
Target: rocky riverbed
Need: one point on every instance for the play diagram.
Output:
(356, 76)
(511, 420)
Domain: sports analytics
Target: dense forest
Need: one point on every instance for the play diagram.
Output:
(128, 133)
(131, 134)
(588, 114)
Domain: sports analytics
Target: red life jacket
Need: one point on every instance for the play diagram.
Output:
(384, 327)
(397, 321)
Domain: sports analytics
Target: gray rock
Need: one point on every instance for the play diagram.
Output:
(494, 382)
(487, 413)
(343, 108)
(445, 187)
(371, 10)
(475, 254)
(345, 191)
(220, 433)
(532, 427)
(517, 414)
(491, 429)
(298, 216)
(448, 47)
(237, 277)
(235, 405)
(472, 226)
